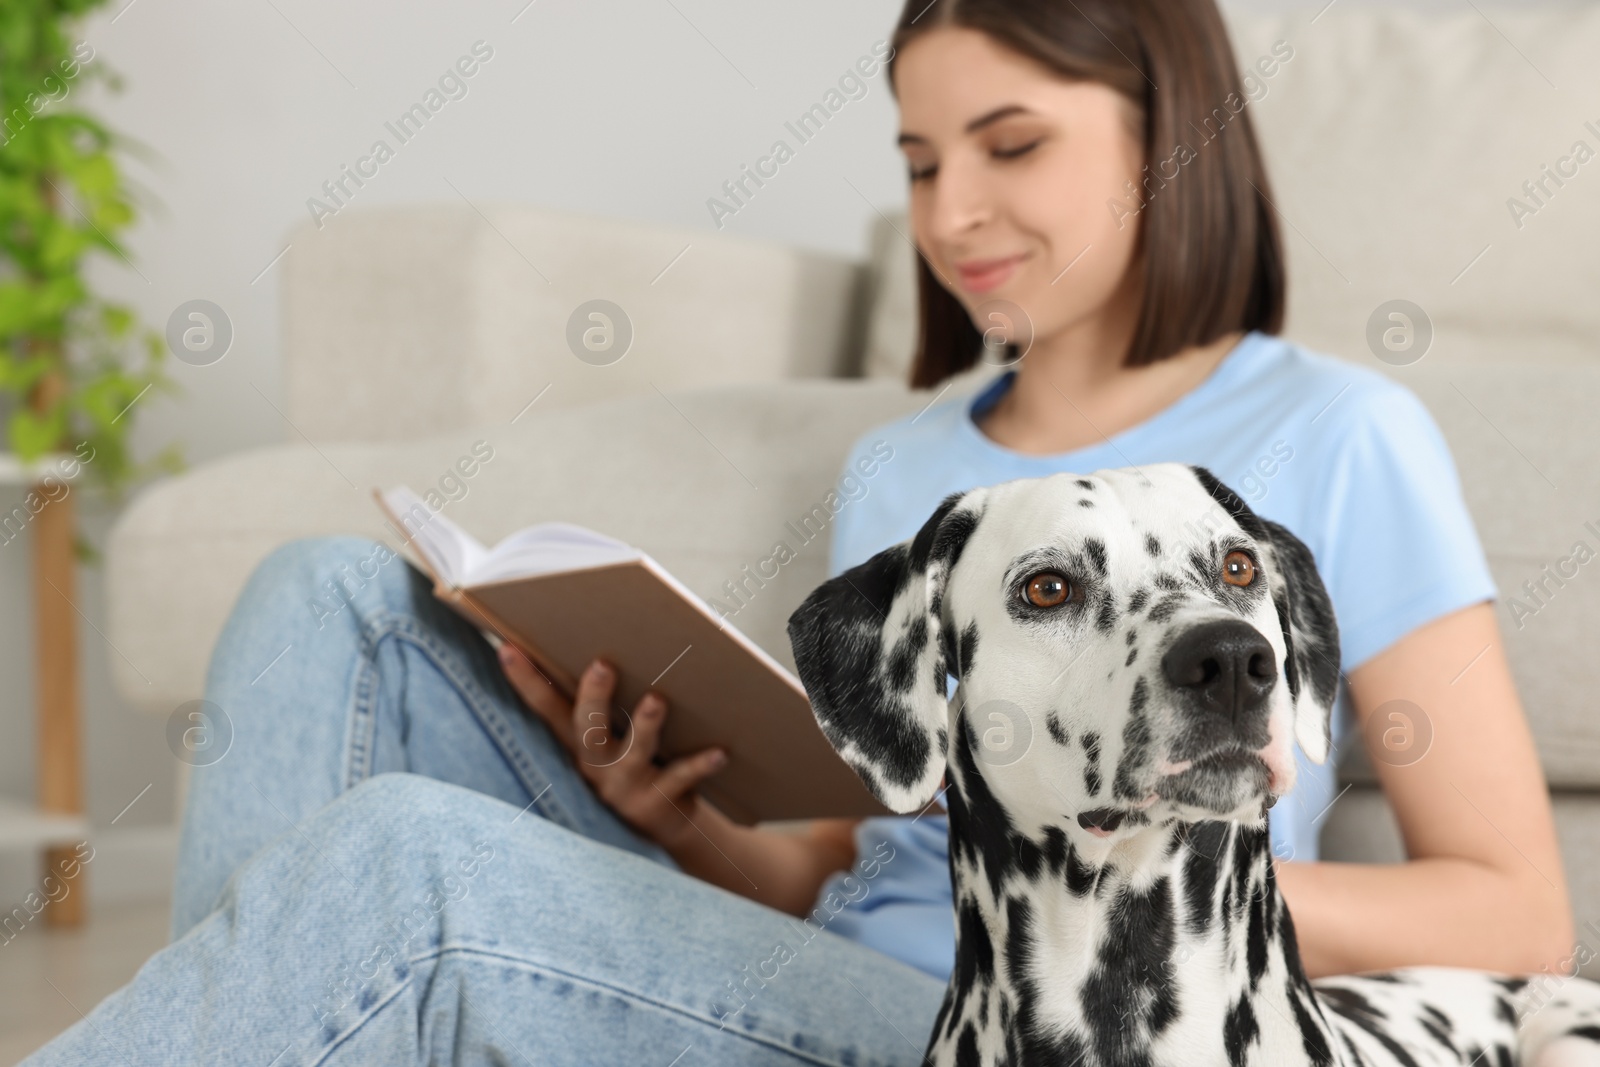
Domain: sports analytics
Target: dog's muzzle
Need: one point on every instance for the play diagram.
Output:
(1221, 675)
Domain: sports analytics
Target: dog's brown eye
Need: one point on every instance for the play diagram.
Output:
(1238, 568)
(1047, 589)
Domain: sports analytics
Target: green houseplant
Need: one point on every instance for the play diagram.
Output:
(72, 365)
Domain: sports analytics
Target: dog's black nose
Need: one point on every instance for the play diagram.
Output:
(1227, 665)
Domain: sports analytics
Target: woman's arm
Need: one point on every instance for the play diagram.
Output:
(1484, 886)
(782, 870)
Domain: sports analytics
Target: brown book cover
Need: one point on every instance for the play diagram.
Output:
(721, 688)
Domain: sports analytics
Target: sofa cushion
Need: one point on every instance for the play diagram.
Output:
(403, 321)
(1523, 440)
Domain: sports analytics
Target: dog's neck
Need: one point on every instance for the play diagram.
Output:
(1090, 956)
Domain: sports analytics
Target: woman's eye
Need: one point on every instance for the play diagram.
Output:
(918, 175)
(1013, 153)
(1238, 568)
(1047, 589)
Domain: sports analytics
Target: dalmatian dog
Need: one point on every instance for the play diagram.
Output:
(1135, 651)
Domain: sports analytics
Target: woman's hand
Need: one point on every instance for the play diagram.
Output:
(657, 800)
(782, 870)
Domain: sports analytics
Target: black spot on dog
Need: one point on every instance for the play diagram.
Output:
(981, 831)
(1035, 1043)
(1351, 1005)
(1086, 503)
(1084, 483)
(1080, 876)
(1165, 608)
(1134, 968)
(1132, 652)
(1312, 1039)
(1091, 769)
(1438, 1033)
(1106, 618)
(1058, 733)
(1356, 1059)
(1202, 869)
(1138, 600)
(1055, 848)
(974, 950)
(1239, 1031)
(1136, 741)
(902, 662)
(1256, 939)
(967, 1048)
(942, 1020)
(969, 650)
(1095, 550)
(1168, 582)
(1359, 1010)
(1249, 844)
(1152, 545)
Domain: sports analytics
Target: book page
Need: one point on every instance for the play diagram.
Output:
(448, 549)
(459, 559)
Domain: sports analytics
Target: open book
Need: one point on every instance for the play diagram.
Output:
(564, 595)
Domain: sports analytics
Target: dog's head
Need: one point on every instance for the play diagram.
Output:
(1129, 646)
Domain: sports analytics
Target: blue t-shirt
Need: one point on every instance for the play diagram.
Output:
(1346, 458)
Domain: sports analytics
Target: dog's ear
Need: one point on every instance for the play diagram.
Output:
(1310, 636)
(1305, 612)
(872, 652)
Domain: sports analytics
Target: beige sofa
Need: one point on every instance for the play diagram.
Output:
(1395, 139)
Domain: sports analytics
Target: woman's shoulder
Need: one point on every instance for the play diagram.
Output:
(1334, 390)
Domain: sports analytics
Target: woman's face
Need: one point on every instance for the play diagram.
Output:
(1014, 172)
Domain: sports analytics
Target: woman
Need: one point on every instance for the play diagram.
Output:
(511, 900)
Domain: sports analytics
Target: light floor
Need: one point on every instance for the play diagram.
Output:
(47, 976)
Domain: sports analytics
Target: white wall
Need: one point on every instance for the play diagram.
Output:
(631, 108)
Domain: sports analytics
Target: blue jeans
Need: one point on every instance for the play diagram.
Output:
(394, 862)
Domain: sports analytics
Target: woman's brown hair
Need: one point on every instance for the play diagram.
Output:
(1211, 255)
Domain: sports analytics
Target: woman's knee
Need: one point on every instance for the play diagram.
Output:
(427, 825)
(327, 574)
(319, 584)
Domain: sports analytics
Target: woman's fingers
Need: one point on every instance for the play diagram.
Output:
(537, 693)
(595, 746)
(621, 770)
(682, 775)
(644, 738)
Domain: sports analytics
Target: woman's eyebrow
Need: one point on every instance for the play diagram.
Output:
(1005, 111)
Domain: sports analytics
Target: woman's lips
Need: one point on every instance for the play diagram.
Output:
(980, 276)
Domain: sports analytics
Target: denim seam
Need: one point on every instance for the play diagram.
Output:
(356, 1026)
(360, 742)
(386, 623)
(603, 987)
